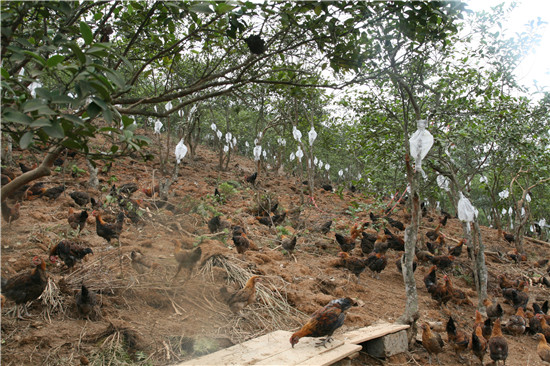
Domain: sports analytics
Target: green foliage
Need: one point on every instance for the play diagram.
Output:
(76, 171)
(281, 230)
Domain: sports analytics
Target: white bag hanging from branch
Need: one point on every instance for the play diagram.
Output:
(168, 106)
(312, 136)
(225, 148)
(213, 127)
(466, 212)
(193, 109)
(257, 152)
(299, 154)
(219, 134)
(443, 182)
(504, 194)
(181, 151)
(420, 144)
(158, 126)
(292, 156)
(327, 167)
(296, 133)
(340, 172)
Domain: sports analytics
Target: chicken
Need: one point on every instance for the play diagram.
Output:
(367, 242)
(238, 230)
(251, 178)
(108, 231)
(433, 234)
(396, 224)
(458, 339)
(516, 256)
(77, 219)
(186, 258)
(443, 261)
(518, 298)
(240, 299)
(324, 322)
(288, 244)
(86, 301)
(241, 243)
(543, 349)
(128, 188)
(535, 325)
(478, 344)
(347, 243)
(35, 191)
(4, 179)
(493, 310)
(545, 328)
(431, 341)
(139, 263)
(10, 214)
(374, 218)
(432, 248)
(540, 263)
(272, 220)
(376, 263)
(149, 192)
(26, 286)
(516, 324)
(69, 252)
(498, 346)
(399, 265)
(80, 198)
(438, 292)
(381, 244)
(424, 256)
(325, 228)
(216, 224)
(25, 168)
(54, 192)
(456, 251)
(506, 283)
(508, 237)
(458, 296)
(354, 264)
(394, 242)
(443, 220)
(327, 187)
(487, 328)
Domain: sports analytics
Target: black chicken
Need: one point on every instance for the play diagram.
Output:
(86, 301)
(55, 192)
(108, 231)
(69, 252)
(80, 198)
(251, 178)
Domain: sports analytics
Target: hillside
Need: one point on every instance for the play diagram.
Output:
(152, 318)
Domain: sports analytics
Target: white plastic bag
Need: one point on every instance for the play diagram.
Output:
(181, 151)
(420, 144)
(257, 152)
(466, 212)
(443, 182)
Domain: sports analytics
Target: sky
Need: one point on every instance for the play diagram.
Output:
(536, 67)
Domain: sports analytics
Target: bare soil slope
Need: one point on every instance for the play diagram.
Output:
(151, 318)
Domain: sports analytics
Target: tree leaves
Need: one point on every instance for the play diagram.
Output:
(86, 33)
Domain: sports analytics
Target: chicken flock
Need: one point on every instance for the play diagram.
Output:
(378, 239)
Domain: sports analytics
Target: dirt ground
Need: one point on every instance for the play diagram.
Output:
(154, 319)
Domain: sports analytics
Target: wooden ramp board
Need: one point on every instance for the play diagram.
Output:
(372, 332)
(275, 349)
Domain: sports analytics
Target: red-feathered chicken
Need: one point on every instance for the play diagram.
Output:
(347, 243)
(443, 261)
(69, 252)
(186, 258)
(324, 322)
(504, 282)
(77, 220)
(438, 292)
(458, 339)
(376, 263)
(354, 264)
(516, 324)
(10, 213)
(35, 191)
(456, 251)
(26, 286)
(498, 346)
(243, 297)
(458, 296)
(108, 231)
(431, 341)
(543, 349)
(478, 344)
(241, 243)
(493, 310)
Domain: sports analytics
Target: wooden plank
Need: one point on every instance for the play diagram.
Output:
(332, 356)
(247, 352)
(304, 351)
(368, 333)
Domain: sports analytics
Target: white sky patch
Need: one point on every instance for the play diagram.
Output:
(535, 68)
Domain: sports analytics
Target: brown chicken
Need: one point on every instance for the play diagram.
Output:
(354, 264)
(508, 237)
(108, 231)
(381, 244)
(443, 261)
(35, 191)
(25, 169)
(545, 328)
(26, 287)
(433, 234)
(80, 198)
(186, 258)
(493, 310)
(288, 244)
(86, 301)
(217, 224)
(487, 328)
(347, 243)
(376, 263)
(251, 178)
(478, 344)
(516, 256)
(243, 297)
(543, 349)
(77, 220)
(324, 228)
(324, 322)
(69, 252)
(498, 346)
(10, 214)
(516, 324)
(395, 242)
(456, 251)
(458, 339)
(140, 263)
(54, 192)
(457, 296)
(272, 220)
(438, 292)
(432, 342)
(242, 244)
(506, 283)
(424, 256)
(367, 242)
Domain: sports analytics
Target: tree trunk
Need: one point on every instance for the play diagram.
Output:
(480, 267)
(7, 155)
(93, 181)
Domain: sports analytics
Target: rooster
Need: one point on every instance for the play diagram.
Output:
(108, 231)
(77, 219)
(26, 287)
(86, 301)
(324, 322)
(186, 258)
(69, 252)
(243, 297)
